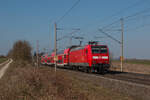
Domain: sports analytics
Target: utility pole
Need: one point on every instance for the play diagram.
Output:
(37, 53)
(120, 42)
(122, 33)
(55, 47)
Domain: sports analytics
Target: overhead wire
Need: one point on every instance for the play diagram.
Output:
(66, 36)
(110, 36)
(138, 27)
(139, 2)
(131, 6)
(137, 18)
(63, 16)
(138, 13)
(111, 23)
(122, 10)
(67, 12)
(114, 28)
(127, 17)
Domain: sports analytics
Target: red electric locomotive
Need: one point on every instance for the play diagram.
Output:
(90, 57)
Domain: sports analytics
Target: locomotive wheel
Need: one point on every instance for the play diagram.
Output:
(77, 68)
(89, 70)
(71, 67)
(101, 70)
(74, 67)
(85, 69)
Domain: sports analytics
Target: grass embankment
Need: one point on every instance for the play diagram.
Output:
(135, 61)
(2, 59)
(24, 82)
(96, 92)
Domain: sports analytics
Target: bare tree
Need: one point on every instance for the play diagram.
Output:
(21, 51)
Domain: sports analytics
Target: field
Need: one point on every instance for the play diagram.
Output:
(133, 65)
(23, 81)
(135, 61)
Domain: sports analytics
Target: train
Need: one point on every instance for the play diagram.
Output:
(92, 57)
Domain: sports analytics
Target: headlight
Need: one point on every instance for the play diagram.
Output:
(95, 57)
(104, 57)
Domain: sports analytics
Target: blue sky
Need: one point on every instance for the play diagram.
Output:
(33, 20)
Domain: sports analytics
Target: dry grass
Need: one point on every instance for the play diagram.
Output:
(22, 81)
(31, 83)
(93, 91)
(135, 61)
(130, 67)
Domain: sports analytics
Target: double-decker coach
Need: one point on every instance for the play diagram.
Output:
(44, 59)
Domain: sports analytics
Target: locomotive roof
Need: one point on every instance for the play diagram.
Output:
(74, 46)
(82, 47)
(77, 47)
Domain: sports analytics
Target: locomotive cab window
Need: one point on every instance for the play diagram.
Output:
(99, 49)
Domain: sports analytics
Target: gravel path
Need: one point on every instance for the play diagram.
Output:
(3, 69)
(3, 63)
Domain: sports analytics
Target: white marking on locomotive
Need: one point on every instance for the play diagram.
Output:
(95, 57)
(104, 57)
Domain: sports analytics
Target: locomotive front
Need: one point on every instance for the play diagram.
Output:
(100, 57)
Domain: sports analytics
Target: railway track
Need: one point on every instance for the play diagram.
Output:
(131, 84)
(143, 79)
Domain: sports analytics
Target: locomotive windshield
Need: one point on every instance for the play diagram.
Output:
(99, 49)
